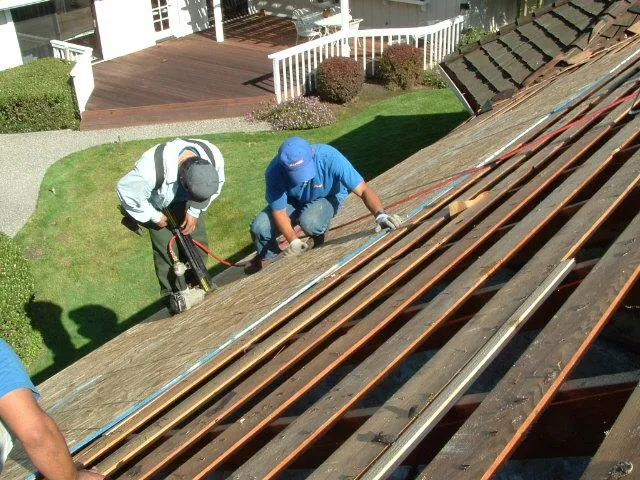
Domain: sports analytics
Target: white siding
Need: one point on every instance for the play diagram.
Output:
(125, 26)
(10, 55)
(191, 17)
(390, 13)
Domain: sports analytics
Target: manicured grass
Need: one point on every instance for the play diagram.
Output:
(95, 279)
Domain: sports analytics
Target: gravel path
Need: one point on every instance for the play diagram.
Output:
(25, 157)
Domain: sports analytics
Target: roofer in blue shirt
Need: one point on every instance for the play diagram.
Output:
(38, 433)
(305, 185)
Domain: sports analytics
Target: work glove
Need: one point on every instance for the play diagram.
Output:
(296, 247)
(386, 220)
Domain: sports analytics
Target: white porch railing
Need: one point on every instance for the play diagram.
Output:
(294, 68)
(82, 72)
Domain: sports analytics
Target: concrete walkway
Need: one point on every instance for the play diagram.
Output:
(25, 157)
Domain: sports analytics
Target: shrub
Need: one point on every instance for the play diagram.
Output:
(473, 35)
(339, 79)
(301, 113)
(37, 96)
(400, 66)
(431, 78)
(16, 292)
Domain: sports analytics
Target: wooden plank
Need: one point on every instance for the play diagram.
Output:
(619, 454)
(499, 424)
(577, 398)
(425, 421)
(460, 367)
(456, 354)
(276, 455)
(182, 389)
(276, 341)
(607, 93)
(178, 391)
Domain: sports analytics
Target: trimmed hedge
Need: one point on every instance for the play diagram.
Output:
(301, 113)
(400, 66)
(37, 96)
(16, 292)
(339, 79)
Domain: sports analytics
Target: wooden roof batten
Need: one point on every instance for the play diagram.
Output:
(369, 310)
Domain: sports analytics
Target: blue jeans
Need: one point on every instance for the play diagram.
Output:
(313, 218)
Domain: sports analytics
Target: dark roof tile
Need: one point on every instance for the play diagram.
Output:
(507, 61)
(469, 78)
(541, 40)
(559, 29)
(594, 7)
(483, 64)
(530, 56)
(574, 16)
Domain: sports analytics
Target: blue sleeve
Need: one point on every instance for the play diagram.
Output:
(342, 169)
(12, 372)
(276, 189)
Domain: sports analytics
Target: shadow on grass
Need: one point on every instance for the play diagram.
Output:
(386, 141)
(96, 323)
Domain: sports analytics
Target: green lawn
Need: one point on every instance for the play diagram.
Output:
(96, 279)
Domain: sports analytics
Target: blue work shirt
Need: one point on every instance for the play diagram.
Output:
(335, 176)
(12, 372)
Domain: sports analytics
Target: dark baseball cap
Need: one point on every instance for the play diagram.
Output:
(200, 178)
(296, 157)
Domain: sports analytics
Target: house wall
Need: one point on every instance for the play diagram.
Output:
(10, 55)
(191, 17)
(390, 13)
(125, 26)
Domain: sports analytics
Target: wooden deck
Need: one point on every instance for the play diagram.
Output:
(190, 78)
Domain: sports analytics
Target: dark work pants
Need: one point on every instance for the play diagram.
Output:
(159, 242)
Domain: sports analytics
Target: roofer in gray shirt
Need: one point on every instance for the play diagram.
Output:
(176, 180)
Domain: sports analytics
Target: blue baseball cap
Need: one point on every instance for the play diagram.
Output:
(296, 157)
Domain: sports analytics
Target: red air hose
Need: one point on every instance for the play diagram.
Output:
(205, 249)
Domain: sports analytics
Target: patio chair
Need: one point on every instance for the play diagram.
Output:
(305, 27)
(354, 24)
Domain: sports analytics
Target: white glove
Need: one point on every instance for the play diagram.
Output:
(296, 247)
(386, 220)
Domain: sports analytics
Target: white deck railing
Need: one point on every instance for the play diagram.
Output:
(294, 68)
(82, 72)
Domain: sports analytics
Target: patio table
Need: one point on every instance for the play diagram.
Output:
(332, 22)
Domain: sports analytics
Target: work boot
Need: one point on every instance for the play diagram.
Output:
(254, 265)
(316, 240)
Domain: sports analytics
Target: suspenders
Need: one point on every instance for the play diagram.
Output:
(157, 156)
